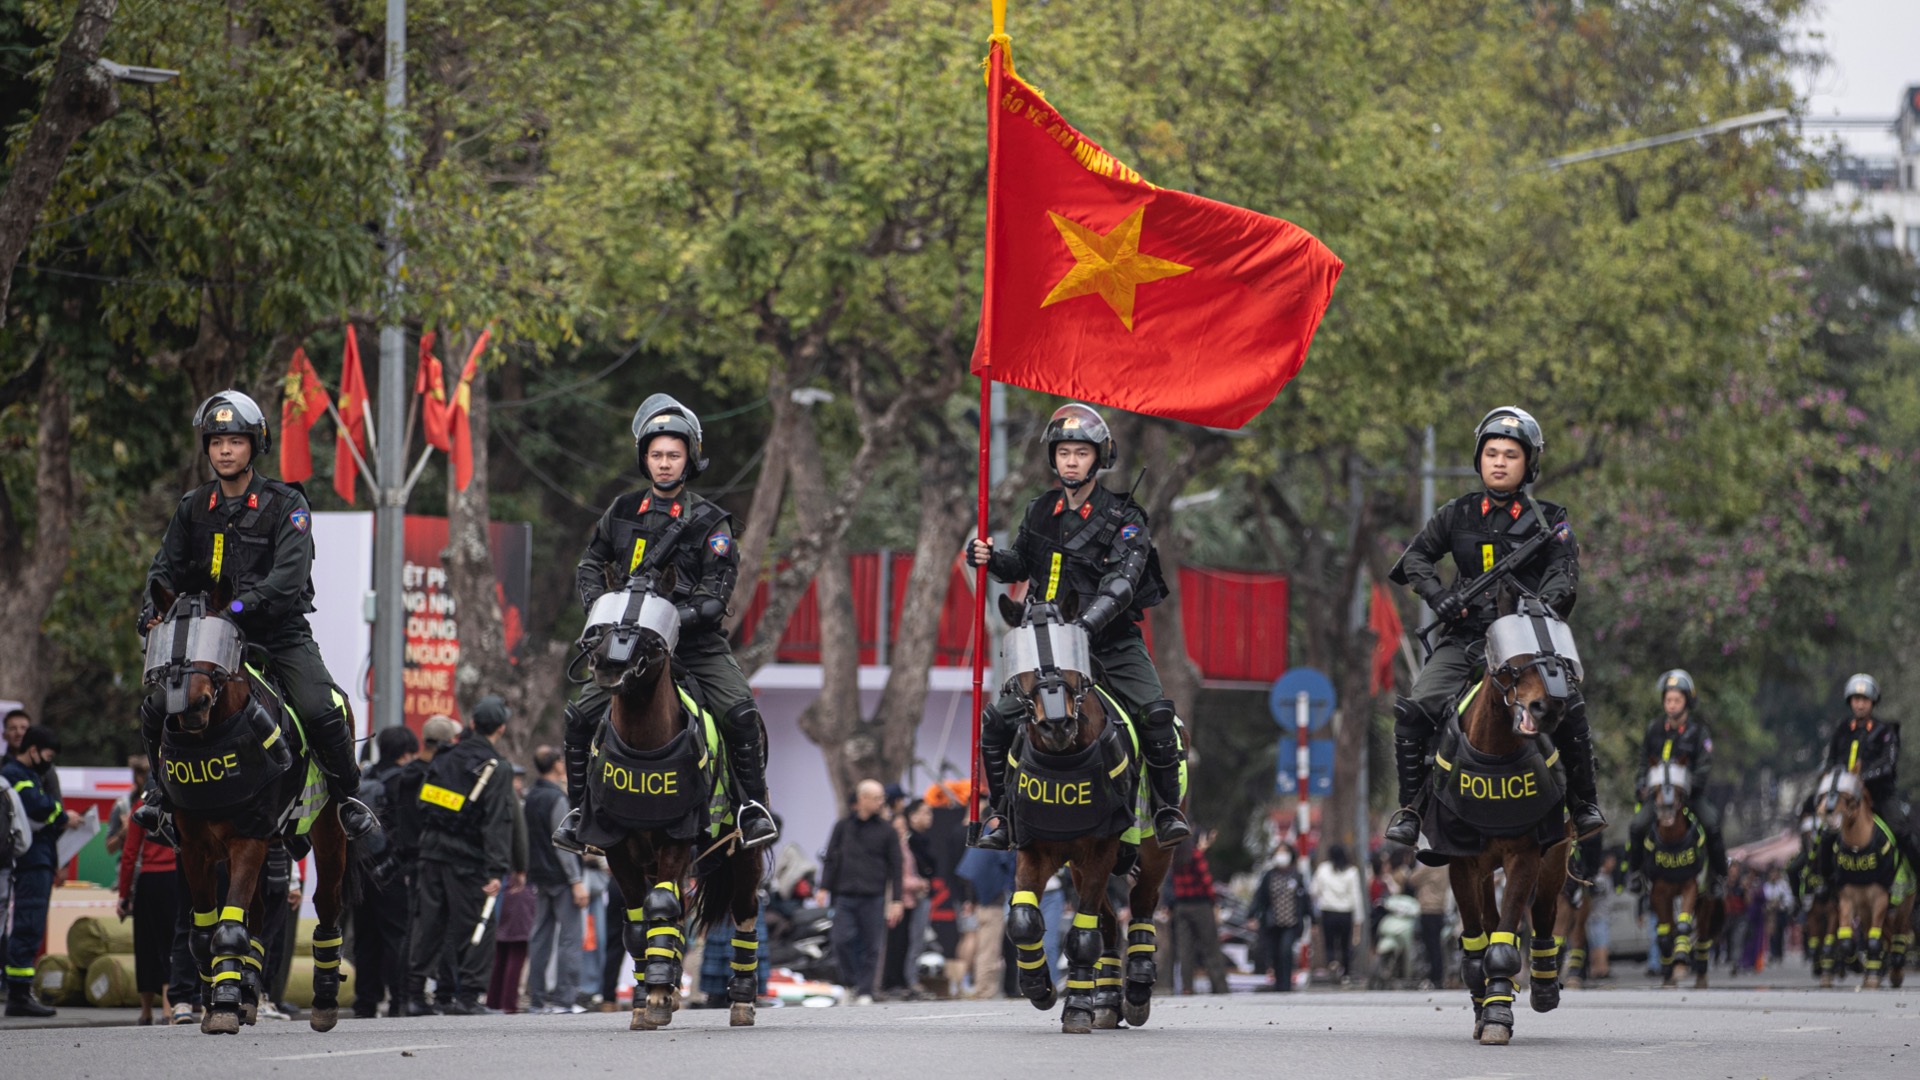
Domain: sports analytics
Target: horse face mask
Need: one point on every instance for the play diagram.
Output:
(1052, 663)
(191, 637)
(619, 621)
(1535, 632)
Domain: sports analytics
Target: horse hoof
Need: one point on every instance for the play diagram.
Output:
(1669, 983)
(1045, 1002)
(250, 1013)
(1544, 997)
(1572, 982)
(1106, 1018)
(1700, 983)
(1136, 1012)
(220, 1022)
(1496, 1035)
(1076, 1022)
(324, 1019)
(1826, 982)
(640, 1021)
(741, 1015)
(659, 1016)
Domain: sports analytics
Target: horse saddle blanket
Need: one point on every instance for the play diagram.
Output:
(680, 788)
(1682, 860)
(1505, 795)
(238, 773)
(1095, 791)
(1879, 863)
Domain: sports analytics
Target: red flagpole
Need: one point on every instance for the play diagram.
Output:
(996, 58)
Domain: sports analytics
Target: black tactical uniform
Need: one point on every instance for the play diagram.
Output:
(1479, 530)
(1871, 747)
(1686, 741)
(261, 544)
(466, 841)
(1101, 555)
(651, 529)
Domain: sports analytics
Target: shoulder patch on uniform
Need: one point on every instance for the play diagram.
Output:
(1563, 532)
(721, 543)
(300, 519)
(1128, 532)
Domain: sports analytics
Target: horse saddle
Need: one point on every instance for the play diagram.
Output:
(1497, 795)
(679, 788)
(1088, 792)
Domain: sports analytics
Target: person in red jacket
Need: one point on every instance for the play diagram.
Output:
(149, 892)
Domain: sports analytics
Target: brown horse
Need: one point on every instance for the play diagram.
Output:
(1685, 922)
(649, 716)
(1066, 719)
(222, 738)
(1499, 722)
(1860, 859)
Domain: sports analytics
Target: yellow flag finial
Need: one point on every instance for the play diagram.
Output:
(999, 36)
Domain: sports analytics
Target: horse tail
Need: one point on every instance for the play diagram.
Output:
(717, 886)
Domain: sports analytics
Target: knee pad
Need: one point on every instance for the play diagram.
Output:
(1157, 720)
(662, 904)
(744, 728)
(1503, 955)
(1412, 720)
(995, 727)
(1025, 925)
(1574, 723)
(1084, 944)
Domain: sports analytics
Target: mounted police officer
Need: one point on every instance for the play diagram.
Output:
(1681, 737)
(1085, 540)
(255, 533)
(1870, 745)
(663, 525)
(1479, 529)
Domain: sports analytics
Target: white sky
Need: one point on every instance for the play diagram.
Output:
(1873, 50)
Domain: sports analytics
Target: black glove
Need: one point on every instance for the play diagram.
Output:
(1448, 605)
(973, 562)
(147, 614)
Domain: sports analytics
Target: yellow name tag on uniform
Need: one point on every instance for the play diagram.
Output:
(219, 553)
(1486, 558)
(639, 552)
(1053, 577)
(439, 796)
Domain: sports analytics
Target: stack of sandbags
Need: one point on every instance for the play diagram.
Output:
(110, 983)
(92, 937)
(55, 981)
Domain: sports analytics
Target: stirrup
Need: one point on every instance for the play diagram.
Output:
(1170, 826)
(1587, 820)
(995, 837)
(567, 836)
(1404, 828)
(756, 825)
(356, 818)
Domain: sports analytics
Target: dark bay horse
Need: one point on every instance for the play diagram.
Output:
(1499, 759)
(237, 788)
(1685, 922)
(651, 726)
(1067, 721)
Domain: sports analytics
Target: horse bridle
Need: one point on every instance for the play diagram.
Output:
(1531, 632)
(1059, 702)
(621, 619)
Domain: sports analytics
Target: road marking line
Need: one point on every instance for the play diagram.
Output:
(356, 1053)
(948, 1016)
(1804, 1029)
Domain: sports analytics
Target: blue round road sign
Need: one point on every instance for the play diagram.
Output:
(1287, 688)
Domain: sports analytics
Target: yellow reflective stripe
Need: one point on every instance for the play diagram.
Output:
(205, 918)
(1025, 897)
(1486, 564)
(1475, 943)
(1873, 934)
(1136, 927)
(23, 785)
(743, 943)
(1119, 770)
(233, 914)
(1079, 984)
(670, 887)
(1548, 974)
(750, 965)
(273, 736)
(255, 942)
(1037, 962)
(1053, 578)
(439, 796)
(325, 963)
(255, 964)
(19, 972)
(1107, 980)
(226, 976)
(639, 552)
(1551, 758)
(1440, 760)
(1545, 952)
(1502, 937)
(1497, 999)
(1146, 947)
(1107, 961)
(673, 930)
(1086, 921)
(219, 553)
(1666, 752)
(658, 951)
(1853, 756)
(635, 914)
(1468, 700)
(1033, 947)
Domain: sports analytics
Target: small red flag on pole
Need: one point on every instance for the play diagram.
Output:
(461, 415)
(431, 385)
(353, 420)
(303, 402)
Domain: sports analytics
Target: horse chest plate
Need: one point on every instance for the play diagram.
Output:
(223, 773)
(1501, 799)
(657, 789)
(1065, 797)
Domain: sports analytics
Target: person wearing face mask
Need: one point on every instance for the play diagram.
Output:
(29, 772)
(1083, 540)
(1283, 909)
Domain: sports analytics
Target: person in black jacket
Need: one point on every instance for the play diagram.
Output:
(466, 846)
(1478, 530)
(560, 891)
(862, 873)
(1679, 736)
(380, 919)
(29, 772)
(1870, 745)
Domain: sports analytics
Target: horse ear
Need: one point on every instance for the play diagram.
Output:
(1069, 607)
(668, 580)
(161, 596)
(222, 598)
(1010, 610)
(1508, 601)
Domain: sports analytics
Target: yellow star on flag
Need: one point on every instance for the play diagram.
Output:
(1110, 265)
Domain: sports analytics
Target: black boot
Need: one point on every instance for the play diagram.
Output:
(153, 814)
(578, 744)
(1575, 741)
(994, 834)
(21, 1002)
(746, 740)
(332, 744)
(1412, 730)
(1166, 761)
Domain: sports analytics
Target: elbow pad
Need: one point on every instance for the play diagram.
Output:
(702, 613)
(1004, 565)
(1100, 613)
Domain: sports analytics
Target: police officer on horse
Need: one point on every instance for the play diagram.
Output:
(1479, 529)
(1870, 745)
(254, 532)
(666, 524)
(1679, 736)
(1084, 540)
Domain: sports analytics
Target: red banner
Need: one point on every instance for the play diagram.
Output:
(433, 632)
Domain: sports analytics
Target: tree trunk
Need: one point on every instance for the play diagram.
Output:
(80, 97)
(529, 687)
(1180, 677)
(764, 512)
(832, 721)
(29, 578)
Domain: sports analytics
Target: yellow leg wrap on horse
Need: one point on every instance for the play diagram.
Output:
(233, 914)
(1025, 897)
(205, 918)
(1475, 943)
(1082, 921)
(1502, 937)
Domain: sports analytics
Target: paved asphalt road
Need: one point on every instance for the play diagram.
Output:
(1614, 1034)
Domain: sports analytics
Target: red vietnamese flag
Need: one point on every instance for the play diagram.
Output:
(303, 402)
(459, 415)
(431, 386)
(353, 420)
(1104, 288)
(1383, 618)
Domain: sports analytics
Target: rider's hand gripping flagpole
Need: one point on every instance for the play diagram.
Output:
(997, 58)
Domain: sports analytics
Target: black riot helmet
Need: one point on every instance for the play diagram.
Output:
(1511, 422)
(1677, 679)
(231, 412)
(662, 415)
(1074, 422)
(1863, 685)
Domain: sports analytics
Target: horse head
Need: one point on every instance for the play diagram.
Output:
(1050, 660)
(1840, 797)
(631, 633)
(1531, 657)
(1668, 785)
(196, 654)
